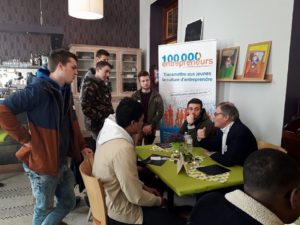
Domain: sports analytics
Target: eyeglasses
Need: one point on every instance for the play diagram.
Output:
(216, 114)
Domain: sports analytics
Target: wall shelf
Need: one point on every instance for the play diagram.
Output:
(240, 79)
(20, 67)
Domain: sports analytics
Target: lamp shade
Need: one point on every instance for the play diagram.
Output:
(86, 9)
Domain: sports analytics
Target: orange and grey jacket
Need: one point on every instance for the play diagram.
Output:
(43, 103)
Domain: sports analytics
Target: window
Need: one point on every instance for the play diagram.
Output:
(170, 21)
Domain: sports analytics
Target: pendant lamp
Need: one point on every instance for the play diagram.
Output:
(86, 9)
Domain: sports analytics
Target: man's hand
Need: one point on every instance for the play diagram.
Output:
(87, 152)
(201, 133)
(151, 190)
(190, 119)
(208, 153)
(147, 129)
(28, 145)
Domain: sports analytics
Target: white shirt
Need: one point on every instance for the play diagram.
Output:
(225, 131)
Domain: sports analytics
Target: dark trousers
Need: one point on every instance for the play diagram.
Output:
(148, 139)
(155, 216)
(149, 179)
(91, 143)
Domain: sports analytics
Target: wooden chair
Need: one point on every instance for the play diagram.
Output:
(95, 192)
(262, 144)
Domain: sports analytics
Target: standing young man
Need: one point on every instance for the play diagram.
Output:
(53, 136)
(153, 108)
(101, 55)
(96, 98)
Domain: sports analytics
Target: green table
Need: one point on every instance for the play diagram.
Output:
(3, 135)
(182, 184)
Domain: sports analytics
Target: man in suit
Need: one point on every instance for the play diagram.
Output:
(233, 141)
(271, 194)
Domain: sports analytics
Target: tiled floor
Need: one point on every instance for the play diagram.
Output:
(16, 202)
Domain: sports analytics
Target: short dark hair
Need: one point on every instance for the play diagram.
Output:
(101, 64)
(195, 101)
(59, 56)
(229, 109)
(143, 73)
(271, 171)
(102, 52)
(127, 111)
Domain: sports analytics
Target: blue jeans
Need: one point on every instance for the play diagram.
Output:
(44, 188)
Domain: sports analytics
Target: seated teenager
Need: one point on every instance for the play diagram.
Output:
(197, 119)
(271, 194)
(233, 142)
(128, 200)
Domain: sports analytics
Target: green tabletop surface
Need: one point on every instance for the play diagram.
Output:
(3, 135)
(181, 183)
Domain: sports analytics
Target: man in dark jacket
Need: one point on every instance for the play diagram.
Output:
(101, 55)
(53, 136)
(271, 194)
(197, 119)
(153, 108)
(95, 98)
(233, 141)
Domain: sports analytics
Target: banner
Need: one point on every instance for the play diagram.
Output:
(186, 70)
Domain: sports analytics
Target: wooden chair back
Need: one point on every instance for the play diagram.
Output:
(262, 145)
(95, 192)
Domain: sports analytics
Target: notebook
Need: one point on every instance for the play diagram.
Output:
(213, 169)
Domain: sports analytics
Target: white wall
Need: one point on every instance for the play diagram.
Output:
(238, 23)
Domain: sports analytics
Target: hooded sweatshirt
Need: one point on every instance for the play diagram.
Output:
(65, 125)
(46, 112)
(115, 166)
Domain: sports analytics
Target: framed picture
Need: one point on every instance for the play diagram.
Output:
(193, 31)
(257, 60)
(228, 62)
(218, 61)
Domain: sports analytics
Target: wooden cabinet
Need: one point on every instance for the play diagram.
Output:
(123, 78)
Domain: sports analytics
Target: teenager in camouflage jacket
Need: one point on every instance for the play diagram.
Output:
(95, 98)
